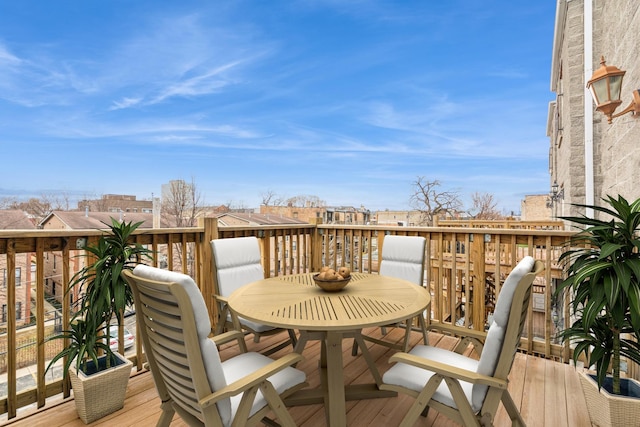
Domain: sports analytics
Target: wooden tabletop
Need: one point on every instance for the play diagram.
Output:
(295, 301)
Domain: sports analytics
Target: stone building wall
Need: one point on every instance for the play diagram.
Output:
(619, 149)
(616, 152)
(569, 143)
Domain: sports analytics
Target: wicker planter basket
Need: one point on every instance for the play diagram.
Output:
(608, 410)
(102, 393)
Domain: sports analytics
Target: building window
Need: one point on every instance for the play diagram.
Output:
(3, 314)
(18, 276)
(19, 310)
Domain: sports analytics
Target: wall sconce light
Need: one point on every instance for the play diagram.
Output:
(556, 194)
(605, 86)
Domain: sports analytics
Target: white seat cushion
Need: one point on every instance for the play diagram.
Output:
(237, 262)
(495, 337)
(403, 258)
(242, 365)
(416, 378)
(258, 327)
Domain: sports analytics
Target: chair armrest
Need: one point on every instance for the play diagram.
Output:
(227, 337)
(458, 331)
(220, 299)
(448, 371)
(467, 336)
(251, 380)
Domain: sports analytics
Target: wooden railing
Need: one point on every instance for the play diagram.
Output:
(464, 271)
(506, 224)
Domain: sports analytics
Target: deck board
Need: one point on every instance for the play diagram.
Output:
(548, 393)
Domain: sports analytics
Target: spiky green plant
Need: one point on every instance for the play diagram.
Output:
(104, 294)
(603, 283)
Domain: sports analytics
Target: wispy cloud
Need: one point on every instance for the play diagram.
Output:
(125, 103)
(204, 84)
(376, 92)
(7, 58)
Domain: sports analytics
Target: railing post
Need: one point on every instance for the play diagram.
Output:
(478, 280)
(265, 238)
(316, 245)
(12, 404)
(208, 286)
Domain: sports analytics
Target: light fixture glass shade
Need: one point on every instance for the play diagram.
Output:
(615, 86)
(605, 86)
(599, 91)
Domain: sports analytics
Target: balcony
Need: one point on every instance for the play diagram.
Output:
(547, 393)
(464, 268)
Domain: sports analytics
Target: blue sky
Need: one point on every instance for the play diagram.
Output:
(349, 101)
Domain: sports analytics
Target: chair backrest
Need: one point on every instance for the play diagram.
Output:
(403, 257)
(504, 333)
(174, 323)
(236, 262)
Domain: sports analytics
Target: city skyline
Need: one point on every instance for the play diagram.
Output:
(346, 101)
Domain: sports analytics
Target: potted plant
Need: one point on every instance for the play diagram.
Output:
(603, 284)
(95, 369)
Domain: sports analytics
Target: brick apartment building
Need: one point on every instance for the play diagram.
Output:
(74, 220)
(328, 214)
(23, 273)
(116, 203)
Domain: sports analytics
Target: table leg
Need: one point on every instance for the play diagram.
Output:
(334, 397)
(332, 391)
(367, 357)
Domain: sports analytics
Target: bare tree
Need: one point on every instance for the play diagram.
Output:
(94, 203)
(270, 198)
(57, 202)
(8, 203)
(305, 201)
(181, 203)
(36, 208)
(431, 201)
(484, 206)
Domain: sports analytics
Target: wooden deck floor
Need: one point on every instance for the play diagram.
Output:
(548, 394)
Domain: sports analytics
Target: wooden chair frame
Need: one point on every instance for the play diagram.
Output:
(451, 375)
(227, 320)
(407, 324)
(172, 312)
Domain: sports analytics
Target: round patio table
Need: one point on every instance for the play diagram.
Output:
(295, 302)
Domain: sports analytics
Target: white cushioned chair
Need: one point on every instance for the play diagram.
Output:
(462, 388)
(403, 258)
(236, 262)
(185, 363)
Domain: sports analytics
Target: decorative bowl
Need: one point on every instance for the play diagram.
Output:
(331, 285)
